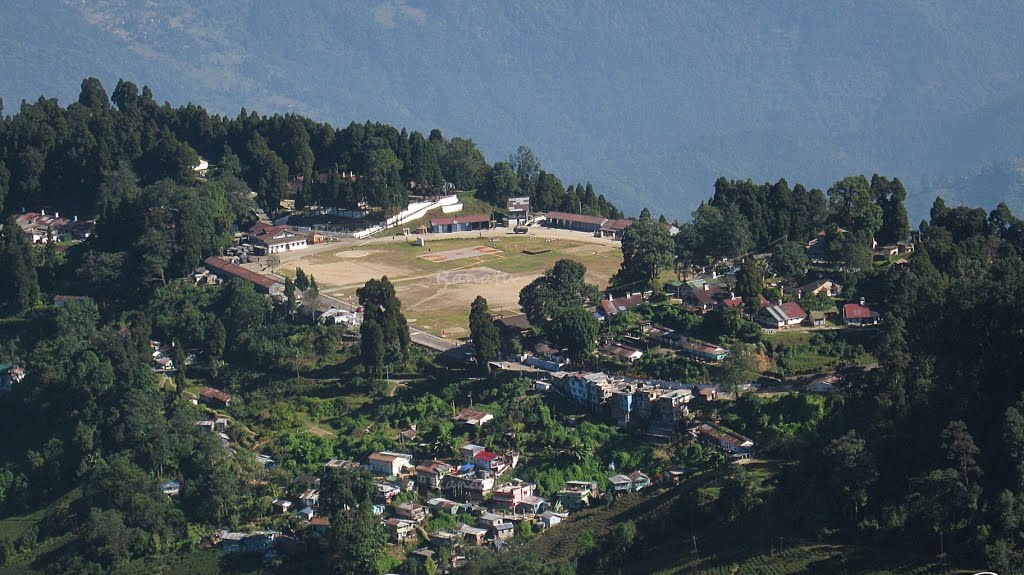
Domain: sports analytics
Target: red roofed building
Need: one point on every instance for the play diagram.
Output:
(859, 314)
(614, 306)
(782, 316)
(215, 397)
(268, 239)
(227, 270)
(460, 224)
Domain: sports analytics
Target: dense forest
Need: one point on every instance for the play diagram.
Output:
(65, 158)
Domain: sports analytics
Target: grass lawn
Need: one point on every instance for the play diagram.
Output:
(804, 357)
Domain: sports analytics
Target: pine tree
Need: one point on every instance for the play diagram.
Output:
(19, 285)
(484, 333)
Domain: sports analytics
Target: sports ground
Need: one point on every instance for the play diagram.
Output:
(437, 282)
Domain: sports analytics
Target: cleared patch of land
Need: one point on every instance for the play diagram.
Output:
(436, 295)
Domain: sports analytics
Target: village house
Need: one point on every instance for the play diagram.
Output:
(10, 375)
(307, 513)
(613, 229)
(256, 542)
(307, 481)
(399, 530)
(446, 506)
(705, 297)
(226, 271)
(320, 525)
(858, 314)
(310, 498)
(622, 352)
(411, 512)
(575, 222)
(547, 357)
(549, 519)
(268, 239)
(688, 346)
(469, 486)
(825, 286)
(513, 326)
(213, 425)
(511, 494)
(429, 474)
(472, 417)
(782, 315)
(725, 439)
(339, 464)
(39, 228)
(201, 168)
(634, 481)
(473, 535)
(389, 463)
(576, 494)
(65, 300)
(460, 224)
(386, 492)
(215, 397)
(610, 307)
(170, 488)
(819, 317)
(282, 506)
(675, 474)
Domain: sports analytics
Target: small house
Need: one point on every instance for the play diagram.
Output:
(640, 480)
(399, 530)
(725, 439)
(472, 416)
(320, 525)
(855, 314)
(620, 484)
(10, 375)
(310, 498)
(170, 488)
(282, 505)
(429, 474)
(549, 519)
(215, 397)
(622, 353)
(474, 535)
(389, 463)
(411, 512)
(782, 315)
(576, 494)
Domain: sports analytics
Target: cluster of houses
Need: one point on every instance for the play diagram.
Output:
(629, 400)
(704, 295)
(40, 227)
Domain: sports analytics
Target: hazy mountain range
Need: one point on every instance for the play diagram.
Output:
(651, 101)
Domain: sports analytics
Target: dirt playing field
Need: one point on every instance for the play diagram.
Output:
(436, 292)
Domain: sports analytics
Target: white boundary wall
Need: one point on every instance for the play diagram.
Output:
(415, 211)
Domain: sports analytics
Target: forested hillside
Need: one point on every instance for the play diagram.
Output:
(154, 414)
(651, 105)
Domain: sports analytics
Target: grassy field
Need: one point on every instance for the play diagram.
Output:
(807, 359)
(436, 296)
